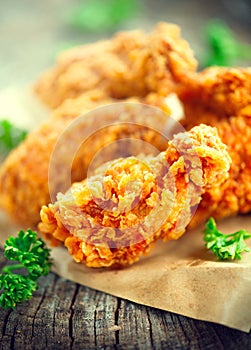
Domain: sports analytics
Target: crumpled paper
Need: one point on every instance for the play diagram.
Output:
(178, 276)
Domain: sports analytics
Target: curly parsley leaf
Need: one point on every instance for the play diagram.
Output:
(32, 255)
(225, 246)
(16, 289)
(10, 137)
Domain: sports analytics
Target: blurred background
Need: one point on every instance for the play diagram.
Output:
(33, 32)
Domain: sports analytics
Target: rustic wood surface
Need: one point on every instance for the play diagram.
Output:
(64, 315)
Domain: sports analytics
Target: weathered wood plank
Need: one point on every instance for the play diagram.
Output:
(53, 315)
(94, 319)
(135, 330)
(231, 338)
(64, 315)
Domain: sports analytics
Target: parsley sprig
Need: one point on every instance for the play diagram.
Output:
(225, 246)
(10, 137)
(33, 256)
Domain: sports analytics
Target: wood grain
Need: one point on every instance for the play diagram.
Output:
(64, 315)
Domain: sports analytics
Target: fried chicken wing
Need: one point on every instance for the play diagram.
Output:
(113, 217)
(221, 97)
(130, 64)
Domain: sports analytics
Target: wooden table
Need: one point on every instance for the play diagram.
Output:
(64, 315)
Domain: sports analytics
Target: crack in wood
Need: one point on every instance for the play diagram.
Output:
(37, 309)
(12, 339)
(6, 318)
(150, 328)
(71, 308)
(94, 327)
(116, 320)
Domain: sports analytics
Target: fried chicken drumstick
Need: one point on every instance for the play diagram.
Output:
(115, 216)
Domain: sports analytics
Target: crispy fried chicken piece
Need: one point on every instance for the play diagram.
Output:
(220, 90)
(130, 64)
(144, 68)
(113, 217)
(221, 97)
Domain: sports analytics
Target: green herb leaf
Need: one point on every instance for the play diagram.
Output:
(16, 289)
(225, 246)
(10, 137)
(224, 49)
(99, 15)
(32, 255)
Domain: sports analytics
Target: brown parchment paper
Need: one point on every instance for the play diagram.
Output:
(179, 276)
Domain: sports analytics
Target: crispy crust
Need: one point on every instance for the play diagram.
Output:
(24, 176)
(132, 63)
(220, 90)
(221, 97)
(115, 216)
(142, 67)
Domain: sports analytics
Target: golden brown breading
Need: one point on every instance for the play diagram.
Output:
(24, 174)
(72, 108)
(142, 67)
(220, 90)
(115, 216)
(221, 97)
(131, 64)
